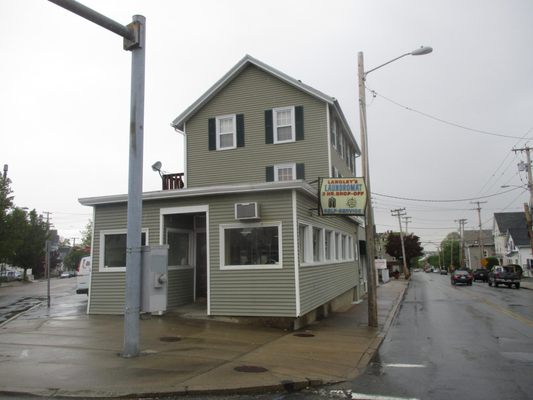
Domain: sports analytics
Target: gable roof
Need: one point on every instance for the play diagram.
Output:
(510, 220)
(179, 121)
(471, 237)
(520, 236)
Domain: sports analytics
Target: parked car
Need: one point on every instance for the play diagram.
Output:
(461, 276)
(444, 271)
(84, 276)
(505, 275)
(481, 274)
(65, 274)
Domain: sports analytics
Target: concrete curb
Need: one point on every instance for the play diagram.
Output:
(380, 337)
(375, 339)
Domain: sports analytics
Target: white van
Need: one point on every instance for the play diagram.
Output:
(84, 276)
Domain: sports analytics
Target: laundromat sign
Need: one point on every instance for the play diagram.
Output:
(342, 196)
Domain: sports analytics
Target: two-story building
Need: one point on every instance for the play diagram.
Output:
(242, 226)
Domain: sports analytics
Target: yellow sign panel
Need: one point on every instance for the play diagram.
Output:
(342, 196)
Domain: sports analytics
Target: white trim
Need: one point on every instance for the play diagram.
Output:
(275, 125)
(336, 244)
(103, 233)
(205, 190)
(186, 157)
(296, 256)
(192, 210)
(92, 263)
(223, 227)
(233, 133)
(328, 122)
(281, 166)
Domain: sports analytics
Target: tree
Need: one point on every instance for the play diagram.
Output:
(393, 247)
(31, 234)
(86, 234)
(451, 250)
(6, 204)
(72, 259)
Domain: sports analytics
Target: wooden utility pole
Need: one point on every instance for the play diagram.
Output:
(407, 220)
(528, 208)
(480, 242)
(399, 212)
(462, 223)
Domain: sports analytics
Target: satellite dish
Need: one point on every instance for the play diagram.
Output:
(157, 166)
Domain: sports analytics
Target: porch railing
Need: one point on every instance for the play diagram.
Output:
(173, 181)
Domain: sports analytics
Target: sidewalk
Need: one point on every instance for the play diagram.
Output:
(47, 355)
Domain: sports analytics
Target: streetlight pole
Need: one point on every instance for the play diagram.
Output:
(369, 213)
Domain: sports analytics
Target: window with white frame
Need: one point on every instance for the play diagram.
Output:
(180, 247)
(343, 247)
(328, 249)
(317, 244)
(284, 124)
(302, 242)
(250, 245)
(334, 134)
(226, 132)
(285, 172)
(113, 245)
(337, 246)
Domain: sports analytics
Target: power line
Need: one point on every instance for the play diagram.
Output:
(480, 131)
(443, 201)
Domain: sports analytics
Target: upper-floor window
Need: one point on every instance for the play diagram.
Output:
(285, 172)
(334, 134)
(284, 125)
(226, 132)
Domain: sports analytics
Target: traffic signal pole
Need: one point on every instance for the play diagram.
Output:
(134, 35)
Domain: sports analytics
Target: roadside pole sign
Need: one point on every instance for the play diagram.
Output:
(342, 196)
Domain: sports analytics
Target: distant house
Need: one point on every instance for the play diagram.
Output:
(511, 239)
(241, 223)
(474, 250)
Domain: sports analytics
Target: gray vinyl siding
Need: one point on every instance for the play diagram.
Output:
(245, 292)
(254, 292)
(322, 283)
(251, 93)
(108, 288)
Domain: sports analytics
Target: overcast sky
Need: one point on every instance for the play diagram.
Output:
(441, 126)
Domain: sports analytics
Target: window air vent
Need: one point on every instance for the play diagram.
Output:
(246, 211)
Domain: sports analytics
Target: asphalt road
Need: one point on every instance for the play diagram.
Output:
(447, 342)
(455, 342)
(18, 297)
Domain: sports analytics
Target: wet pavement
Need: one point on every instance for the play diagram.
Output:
(62, 352)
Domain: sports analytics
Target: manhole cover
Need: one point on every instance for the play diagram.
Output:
(304, 335)
(250, 368)
(170, 339)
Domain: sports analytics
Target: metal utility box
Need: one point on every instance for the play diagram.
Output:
(154, 286)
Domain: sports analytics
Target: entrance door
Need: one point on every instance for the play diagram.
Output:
(201, 265)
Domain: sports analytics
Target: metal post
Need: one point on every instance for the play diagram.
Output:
(133, 254)
(135, 40)
(369, 226)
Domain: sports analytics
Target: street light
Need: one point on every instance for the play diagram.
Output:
(369, 226)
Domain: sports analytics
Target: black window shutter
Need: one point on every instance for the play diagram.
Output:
(299, 119)
(240, 130)
(269, 129)
(300, 171)
(270, 174)
(212, 129)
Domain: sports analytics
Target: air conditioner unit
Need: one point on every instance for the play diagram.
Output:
(246, 211)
